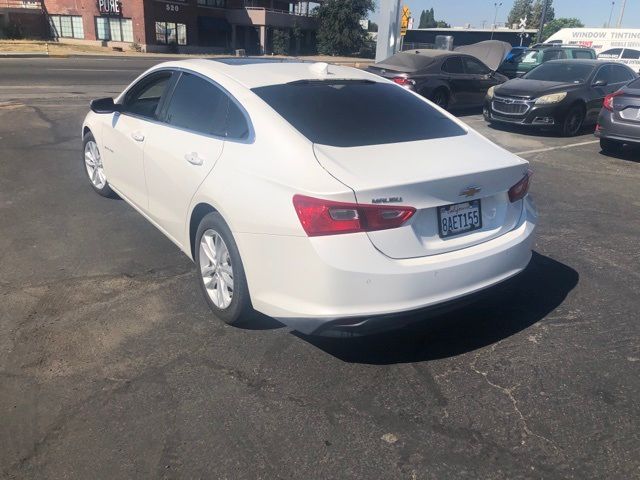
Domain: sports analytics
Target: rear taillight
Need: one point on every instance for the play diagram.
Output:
(608, 100)
(404, 81)
(326, 217)
(520, 189)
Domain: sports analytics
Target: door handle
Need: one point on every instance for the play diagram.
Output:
(193, 158)
(137, 136)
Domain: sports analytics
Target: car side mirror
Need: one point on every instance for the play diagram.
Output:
(104, 105)
(600, 83)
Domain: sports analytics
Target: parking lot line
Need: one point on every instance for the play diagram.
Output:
(559, 147)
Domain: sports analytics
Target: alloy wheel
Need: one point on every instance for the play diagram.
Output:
(93, 164)
(216, 269)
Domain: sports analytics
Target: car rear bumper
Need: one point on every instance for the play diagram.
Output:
(312, 284)
(611, 128)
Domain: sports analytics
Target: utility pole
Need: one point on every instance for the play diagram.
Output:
(613, 4)
(388, 29)
(624, 4)
(542, 19)
(497, 6)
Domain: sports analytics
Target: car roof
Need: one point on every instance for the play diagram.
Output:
(260, 72)
(584, 61)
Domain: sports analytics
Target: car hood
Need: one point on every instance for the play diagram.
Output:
(489, 52)
(521, 87)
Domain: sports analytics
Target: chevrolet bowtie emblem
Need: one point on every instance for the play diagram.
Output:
(470, 191)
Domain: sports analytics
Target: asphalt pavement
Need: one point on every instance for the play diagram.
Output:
(112, 366)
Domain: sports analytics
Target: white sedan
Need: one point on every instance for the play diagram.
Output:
(323, 196)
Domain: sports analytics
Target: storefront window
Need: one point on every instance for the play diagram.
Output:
(114, 29)
(168, 33)
(66, 26)
(212, 3)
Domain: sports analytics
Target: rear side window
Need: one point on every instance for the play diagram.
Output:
(453, 65)
(198, 105)
(553, 55)
(351, 113)
(583, 54)
(237, 126)
(611, 53)
(635, 83)
(631, 54)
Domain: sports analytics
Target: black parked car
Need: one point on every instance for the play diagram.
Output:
(619, 120)
(563, 94)
(450, 79)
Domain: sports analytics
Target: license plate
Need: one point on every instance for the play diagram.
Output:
(459, 218)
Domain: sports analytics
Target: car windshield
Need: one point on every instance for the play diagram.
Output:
(567, 72)
(351, 113)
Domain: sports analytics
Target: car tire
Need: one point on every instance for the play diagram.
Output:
(573, 121)
(220, 271)
(610, 146)
(440, 97)
(93, 166)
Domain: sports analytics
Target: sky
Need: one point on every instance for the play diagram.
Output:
(593, 13)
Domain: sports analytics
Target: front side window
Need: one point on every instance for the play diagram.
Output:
(66, 26)
(144, 97)
(351, 113)
(198, 105)
(620, 74)
(475, 67)
(170, 33)
(453, 65)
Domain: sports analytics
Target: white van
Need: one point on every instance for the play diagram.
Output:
(619, 44)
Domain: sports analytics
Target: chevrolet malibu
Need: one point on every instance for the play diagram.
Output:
(323, 196)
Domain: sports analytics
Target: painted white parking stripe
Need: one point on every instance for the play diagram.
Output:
(560, 147)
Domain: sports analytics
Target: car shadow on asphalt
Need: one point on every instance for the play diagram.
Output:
(628, 153)
(535, 131)
(505, 311)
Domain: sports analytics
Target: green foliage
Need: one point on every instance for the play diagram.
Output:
(520, 9)
(428, 20)
(280, 42)
(558, 24)
(536, 13)
(339, 31)
(373, 26)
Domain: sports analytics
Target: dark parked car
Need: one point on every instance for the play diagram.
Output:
(450, 79)
(619, 120)
(530, 58)
(563, 94)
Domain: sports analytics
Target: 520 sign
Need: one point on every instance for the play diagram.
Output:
(110, 7)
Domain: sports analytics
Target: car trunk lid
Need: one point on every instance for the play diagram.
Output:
(426, 175)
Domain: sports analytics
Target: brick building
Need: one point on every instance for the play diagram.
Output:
(183, 26)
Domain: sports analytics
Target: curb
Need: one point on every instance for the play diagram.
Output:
(23, 54)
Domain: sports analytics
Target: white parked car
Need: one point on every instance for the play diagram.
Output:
(323, 196)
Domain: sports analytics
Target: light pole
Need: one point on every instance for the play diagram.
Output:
(497, 6)
(613, 4)
(542, 19)
(624, 4)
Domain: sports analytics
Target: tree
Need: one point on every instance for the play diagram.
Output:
(428, 20)
(280, 42)
(520, 9)
(558, 24)
(536, 13)
(339, 30)
(373, 26)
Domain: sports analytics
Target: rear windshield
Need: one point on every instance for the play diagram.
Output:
(568, 72)
(351, 113)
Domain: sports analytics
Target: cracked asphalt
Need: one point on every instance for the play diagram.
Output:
(111, 365)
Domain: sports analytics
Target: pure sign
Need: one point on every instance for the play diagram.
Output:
(109, 7)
